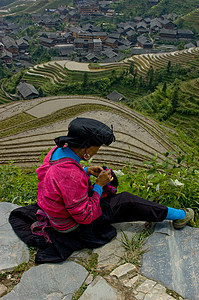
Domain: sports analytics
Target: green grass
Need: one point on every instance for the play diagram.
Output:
(133, 247)
(191, 20)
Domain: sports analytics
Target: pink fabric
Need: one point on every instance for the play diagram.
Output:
(65, 193)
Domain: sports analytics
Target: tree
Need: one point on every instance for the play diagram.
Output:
(85, 80)
(150, 77)
(131, 68)
(169, 66)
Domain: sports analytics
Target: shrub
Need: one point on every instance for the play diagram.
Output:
(173, 182)
(18, 186)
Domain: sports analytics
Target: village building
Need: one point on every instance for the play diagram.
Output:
(27, 91)
(109, 53)
(62, 10)
(142, 28)
(155, 26)
(91, 57)
(153, 2)
(2, 35)
(64, 49)
(45, 42)
(168, 34)
(89, 9)
(138, 19)
(189, 45)
(6, 57)
(79, 43)
(100, 35)
(115, 96)
(68, 38)
(167, 24)
(10, 45)
(85, 35)
(97, 45)
(185, 34)
(22, 44)
(1, 47)
(144, 42)
(112, 43)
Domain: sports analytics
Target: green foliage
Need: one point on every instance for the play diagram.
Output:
(40, 54)
(173, 182)
(178, 6)
(4, 71)
(133, 247)
(17, 186)
(165, 100)
(11, 84)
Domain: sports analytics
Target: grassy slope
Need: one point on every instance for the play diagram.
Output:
(191, 20)
(32, 7)
(180, 7)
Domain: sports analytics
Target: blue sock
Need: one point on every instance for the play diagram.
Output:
(174, 214)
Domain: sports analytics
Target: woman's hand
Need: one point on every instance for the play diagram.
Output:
(95, 170)
(104, 178)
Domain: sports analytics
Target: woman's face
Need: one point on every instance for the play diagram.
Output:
(92, 150)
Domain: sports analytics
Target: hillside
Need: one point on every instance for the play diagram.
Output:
(190, 20)
(169, 6)
(29, 127)
(126, 7)
(68, 77)
(31, 6)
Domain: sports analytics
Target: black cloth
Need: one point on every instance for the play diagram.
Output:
(122, 207)
(93, 235)
(86, 132)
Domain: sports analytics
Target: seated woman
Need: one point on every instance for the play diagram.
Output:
(73, 214)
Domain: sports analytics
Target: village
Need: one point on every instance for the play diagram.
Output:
(82, 41)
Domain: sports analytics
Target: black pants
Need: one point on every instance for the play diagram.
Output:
(127, 207)
(123, 207)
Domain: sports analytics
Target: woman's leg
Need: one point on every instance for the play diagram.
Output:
(127, 207)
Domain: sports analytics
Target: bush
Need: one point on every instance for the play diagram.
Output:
(173, 182)
(18, 186)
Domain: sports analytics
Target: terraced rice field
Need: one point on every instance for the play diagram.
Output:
(59, 73)
(29, 127)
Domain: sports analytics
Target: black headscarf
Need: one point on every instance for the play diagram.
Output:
(86, 132)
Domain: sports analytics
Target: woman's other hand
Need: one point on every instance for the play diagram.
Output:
(104, 178)
(95, 170)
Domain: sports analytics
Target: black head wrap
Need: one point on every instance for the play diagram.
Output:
(85, 132)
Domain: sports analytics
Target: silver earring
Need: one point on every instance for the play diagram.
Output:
(87, 156)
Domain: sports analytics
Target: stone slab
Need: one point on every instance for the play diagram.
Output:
(123, 270)
(172, 258)
(49, 281)
(110, 255)
(99, 289)
(13, 251)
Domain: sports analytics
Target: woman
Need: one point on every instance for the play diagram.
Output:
(72, 214)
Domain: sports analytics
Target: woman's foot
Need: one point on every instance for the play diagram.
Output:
(178, 224)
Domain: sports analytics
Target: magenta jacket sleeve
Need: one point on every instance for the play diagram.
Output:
(80, 202)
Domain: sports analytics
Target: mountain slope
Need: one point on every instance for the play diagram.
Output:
(180, 7)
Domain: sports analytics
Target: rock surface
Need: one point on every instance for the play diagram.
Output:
(99, 289)
(13, 251)
(49, 281)
(172, 258)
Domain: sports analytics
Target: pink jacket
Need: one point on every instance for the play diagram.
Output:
(65, 193)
